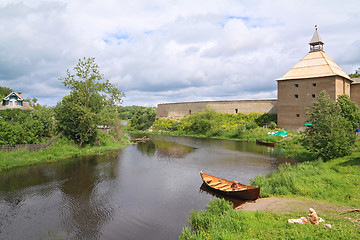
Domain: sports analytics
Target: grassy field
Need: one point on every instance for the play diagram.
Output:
(336, 181)
(60, 149)
(220, 221)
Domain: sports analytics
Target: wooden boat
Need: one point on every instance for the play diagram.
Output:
(229, 188)
(265, 143)
(237, 203)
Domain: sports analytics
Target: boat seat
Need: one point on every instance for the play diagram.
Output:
(220, 185)
(214, 184)
(224, 188)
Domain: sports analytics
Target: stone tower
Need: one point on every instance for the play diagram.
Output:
(298, 88)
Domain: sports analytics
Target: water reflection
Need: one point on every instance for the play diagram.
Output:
(236, 202)
(145, 191)
(82, 206)
(164, 149)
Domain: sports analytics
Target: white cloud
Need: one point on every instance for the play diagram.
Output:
(169, 51)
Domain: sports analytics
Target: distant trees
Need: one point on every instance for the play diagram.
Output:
(79, 112)
(356, 74)
(127, 112)
(332, 132)
(4, 91)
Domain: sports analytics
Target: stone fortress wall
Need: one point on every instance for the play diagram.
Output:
(183, 109)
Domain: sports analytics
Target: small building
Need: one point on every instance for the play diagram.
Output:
(299, 87)
(14, 101)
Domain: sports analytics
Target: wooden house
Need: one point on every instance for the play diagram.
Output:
(14, 101)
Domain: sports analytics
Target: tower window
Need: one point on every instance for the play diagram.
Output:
(189, 112)
(236, 110)
(297, 115)
(314, 84)
(296, 85)
(296, 96)
(313, 96)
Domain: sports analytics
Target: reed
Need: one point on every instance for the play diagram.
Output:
(335, 181)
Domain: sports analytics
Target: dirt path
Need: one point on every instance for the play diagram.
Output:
(286, 205)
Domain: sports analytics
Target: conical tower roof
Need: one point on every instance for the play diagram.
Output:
(315, 64)
(316, 39)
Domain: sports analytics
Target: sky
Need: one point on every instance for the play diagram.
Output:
(160, 51)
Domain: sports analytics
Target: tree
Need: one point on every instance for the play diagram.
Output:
(78, 112)
(4, 91)
(349, 110)
(356, 74)
(143, 119)
(331, 135)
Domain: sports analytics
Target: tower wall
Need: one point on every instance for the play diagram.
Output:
(296, 97)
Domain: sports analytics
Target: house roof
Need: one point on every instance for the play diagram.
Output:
(314, 64)
(24, 106)
(355, 80)
(13, 93)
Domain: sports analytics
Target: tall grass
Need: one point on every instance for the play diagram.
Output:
(336, 181)
(220, 221)
(61, 149)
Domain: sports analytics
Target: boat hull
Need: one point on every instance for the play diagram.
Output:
(265, 143)
(246, 192)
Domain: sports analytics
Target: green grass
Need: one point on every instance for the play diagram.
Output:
(220, 221)
(336, 181)
(60, 149)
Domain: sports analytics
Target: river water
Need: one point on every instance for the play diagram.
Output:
(144, 191)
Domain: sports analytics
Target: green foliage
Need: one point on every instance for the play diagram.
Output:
(266, 118)
(315, 180)
(330, 135)
(4, 91)
(143, 119)
(356, 74)
(349, 110)
(127, 112)
(77, 122)
(26, 127)
(79, 112)
(165, 124)
(220, 221)
(272, 125)
(61, 149)
(221, 125)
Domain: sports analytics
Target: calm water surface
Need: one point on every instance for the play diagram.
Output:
(145, 191)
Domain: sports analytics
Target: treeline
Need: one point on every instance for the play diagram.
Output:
(127, 112)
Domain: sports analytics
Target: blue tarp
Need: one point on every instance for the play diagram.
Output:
(280, 133)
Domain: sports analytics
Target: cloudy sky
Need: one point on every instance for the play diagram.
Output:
(160, 51)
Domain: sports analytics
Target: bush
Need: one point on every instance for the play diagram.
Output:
(143, 119)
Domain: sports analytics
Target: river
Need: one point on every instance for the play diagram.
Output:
(144, 191)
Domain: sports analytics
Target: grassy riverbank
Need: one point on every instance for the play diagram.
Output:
(61, 149)
(220, 221)
(336, 181)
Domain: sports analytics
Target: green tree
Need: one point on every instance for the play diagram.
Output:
(4, 91)
(356, 74)
(78, 112)
(349, 110)
(331, 135)
(143, 119)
